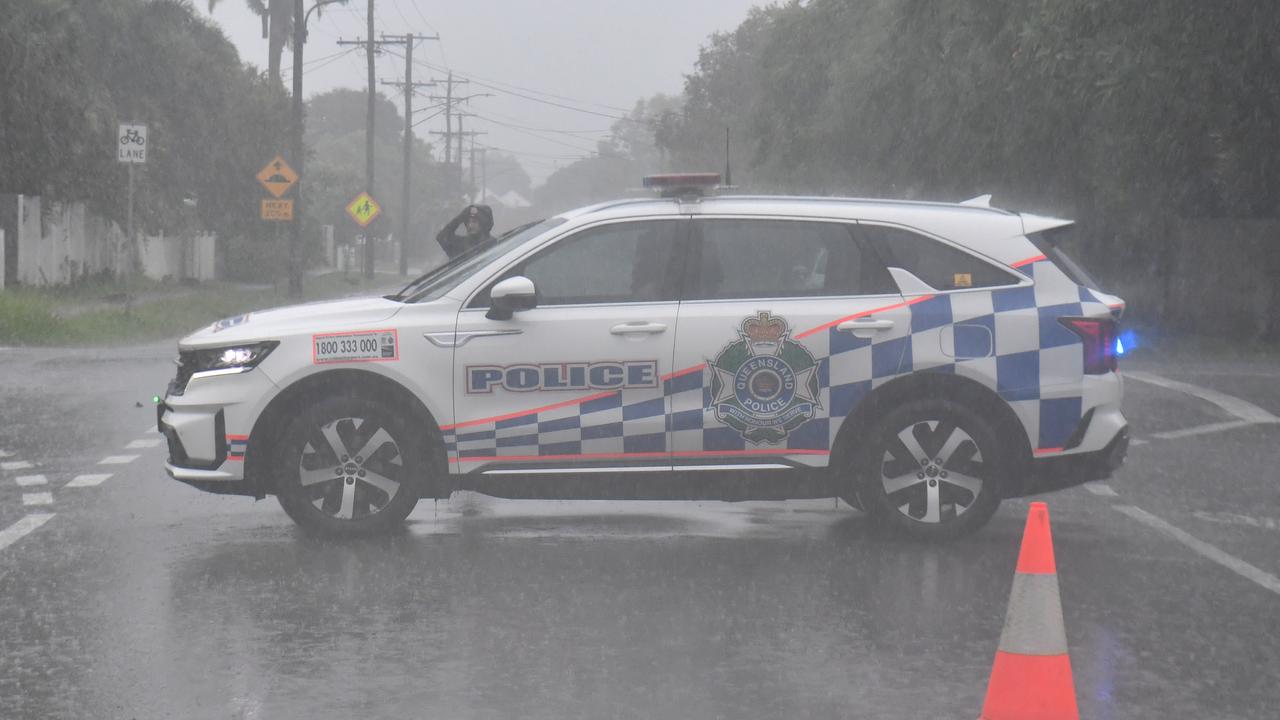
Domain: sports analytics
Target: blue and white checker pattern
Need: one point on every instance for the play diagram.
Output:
(616, 422)
(1008, 339)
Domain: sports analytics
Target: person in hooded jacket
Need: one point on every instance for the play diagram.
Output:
(477, 222)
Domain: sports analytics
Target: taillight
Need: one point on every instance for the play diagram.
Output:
(1099, 338)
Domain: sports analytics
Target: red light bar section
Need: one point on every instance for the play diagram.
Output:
(682, 180)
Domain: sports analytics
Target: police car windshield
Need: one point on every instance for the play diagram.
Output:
(441, 280)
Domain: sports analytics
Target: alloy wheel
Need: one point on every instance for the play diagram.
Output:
(350, 468)
(932, 471)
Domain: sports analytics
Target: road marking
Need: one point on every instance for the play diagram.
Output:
(87, 480)
(1231, 562)
(1227, 518)
(40, 498)
(1101, 488)
(18, 530)
(26, 480)
(1233, 405)
(117, 459)
(1137, 441)
(5, 454)
(15, 465)
(139, 444)
(1203, 429)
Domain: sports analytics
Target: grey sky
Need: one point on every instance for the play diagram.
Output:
(598, 56)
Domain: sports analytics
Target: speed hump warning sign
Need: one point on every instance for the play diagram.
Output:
(363, 209)
(277, 177)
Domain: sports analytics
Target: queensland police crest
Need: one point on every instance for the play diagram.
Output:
(764, 384)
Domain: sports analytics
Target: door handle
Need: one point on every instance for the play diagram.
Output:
(864, 323)
(638, 327)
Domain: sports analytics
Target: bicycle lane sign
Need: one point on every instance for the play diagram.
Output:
(131, 143)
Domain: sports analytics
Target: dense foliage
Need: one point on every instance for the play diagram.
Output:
(1133, 117)
(71, 71)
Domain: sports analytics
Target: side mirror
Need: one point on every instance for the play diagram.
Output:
(510, 295)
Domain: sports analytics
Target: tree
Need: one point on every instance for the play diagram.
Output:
(277, 28)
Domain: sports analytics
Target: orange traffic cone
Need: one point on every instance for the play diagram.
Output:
(1031, 677)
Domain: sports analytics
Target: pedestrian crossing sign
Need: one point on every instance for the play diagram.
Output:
(363, 209)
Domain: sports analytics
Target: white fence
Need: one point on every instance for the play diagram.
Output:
(65, 242)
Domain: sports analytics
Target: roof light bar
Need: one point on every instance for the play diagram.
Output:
(677, 184)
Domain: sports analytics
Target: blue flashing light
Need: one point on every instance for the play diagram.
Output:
(1126, 341)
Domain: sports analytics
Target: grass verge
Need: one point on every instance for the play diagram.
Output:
(109, 314)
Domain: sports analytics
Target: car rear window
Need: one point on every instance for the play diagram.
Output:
(1050, 242)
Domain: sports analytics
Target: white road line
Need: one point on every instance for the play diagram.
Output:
(28, 480)
(18, 530)
(40, 498)
(117, 459)
(1101, 488)
(1137, 441)
(1266, 523)
(15, 465)
(87, 480)
(1233, 405)
(1202, 429)
(151, 429)
(139, 444)
(5, 454)
(1231, 562)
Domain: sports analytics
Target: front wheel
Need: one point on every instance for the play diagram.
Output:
(932, 470)
(349, 466)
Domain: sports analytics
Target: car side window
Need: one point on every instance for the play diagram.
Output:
(746, 258)
(622, 262)
(938, 264)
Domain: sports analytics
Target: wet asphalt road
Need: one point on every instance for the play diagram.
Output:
(143, 598)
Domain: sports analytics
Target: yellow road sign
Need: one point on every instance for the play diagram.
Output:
(277, 177)
(363, 209)
(277, 210)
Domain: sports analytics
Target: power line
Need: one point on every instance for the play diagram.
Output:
(533, 134)
(533, 98)
(550, 130)
(481, 79)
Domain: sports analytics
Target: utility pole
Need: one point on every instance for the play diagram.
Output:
(300, 17)
(409, 86)
(449, 102)
(370, 46)
(295, 236)
(368, 148)
(484, 174)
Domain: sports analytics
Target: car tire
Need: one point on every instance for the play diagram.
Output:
(931, 470)
(349, 466)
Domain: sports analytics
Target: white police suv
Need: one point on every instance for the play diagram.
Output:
(922, 361)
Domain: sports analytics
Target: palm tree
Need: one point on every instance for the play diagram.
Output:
(277, 27)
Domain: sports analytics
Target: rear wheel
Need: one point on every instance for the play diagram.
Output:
(932, 470)
(349, 466)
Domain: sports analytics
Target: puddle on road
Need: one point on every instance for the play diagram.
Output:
(472, 512)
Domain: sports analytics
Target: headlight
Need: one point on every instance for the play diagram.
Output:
(233, 358)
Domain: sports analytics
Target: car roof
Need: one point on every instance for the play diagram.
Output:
(968, 224)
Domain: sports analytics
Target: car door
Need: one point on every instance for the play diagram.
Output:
(784, 326)
(574, 383)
